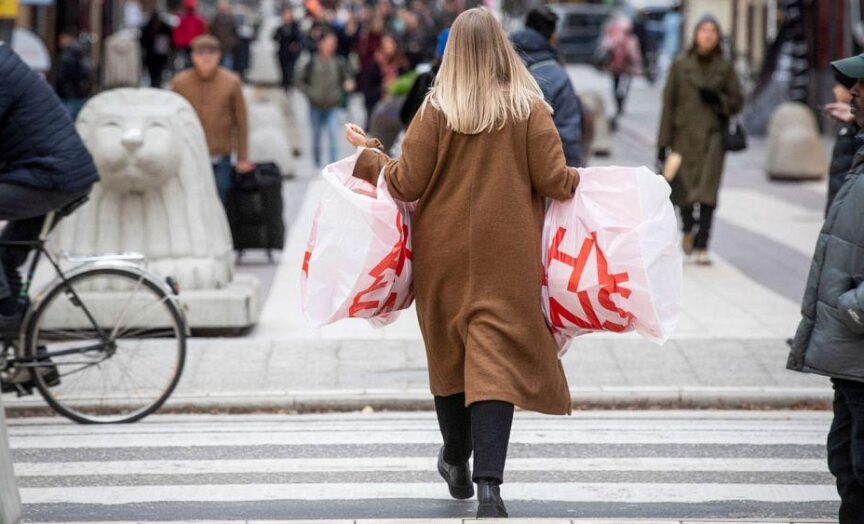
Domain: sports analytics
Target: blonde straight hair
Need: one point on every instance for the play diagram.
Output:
(482, 83)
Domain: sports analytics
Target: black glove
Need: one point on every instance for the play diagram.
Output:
(709, 96)
(662, 153)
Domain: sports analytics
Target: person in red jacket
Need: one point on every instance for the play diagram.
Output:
(191, 26)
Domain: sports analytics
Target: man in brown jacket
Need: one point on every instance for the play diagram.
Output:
(217, 96)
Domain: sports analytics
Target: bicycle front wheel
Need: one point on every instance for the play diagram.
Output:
(109, 346)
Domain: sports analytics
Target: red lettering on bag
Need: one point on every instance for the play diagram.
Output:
(306, 258)
(610, 284)
(394, 260)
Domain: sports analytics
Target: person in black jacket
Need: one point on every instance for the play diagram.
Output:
(847, 141)
(423, 83)
(74, 77)
(43, 167)
(156, 43)
(290, 41)
(535, 45)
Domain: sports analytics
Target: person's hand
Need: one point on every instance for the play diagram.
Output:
(349, 86)
(839, 111)
(244, 166)
(709, 96)
(355, 135)
(662, 153)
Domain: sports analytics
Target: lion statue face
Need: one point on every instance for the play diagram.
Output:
(156, 195)
(136, 143)
(134, 151)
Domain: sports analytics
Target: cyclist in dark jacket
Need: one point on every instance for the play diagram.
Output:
(43, 167)
(534, 44)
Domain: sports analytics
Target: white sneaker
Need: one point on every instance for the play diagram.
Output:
(702, 258)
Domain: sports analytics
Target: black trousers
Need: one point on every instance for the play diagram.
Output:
(704, 221)
(846, 449)
(24, 208)
(620, 90)
(483, 427)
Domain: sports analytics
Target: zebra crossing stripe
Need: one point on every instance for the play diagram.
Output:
(576, 436)
(562, 492)
(411, 464)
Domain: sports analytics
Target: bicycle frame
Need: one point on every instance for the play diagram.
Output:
(62, 279)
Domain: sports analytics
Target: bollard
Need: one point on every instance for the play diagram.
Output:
(795, 148)
(10, 500)
(272, 131)
(602, 142)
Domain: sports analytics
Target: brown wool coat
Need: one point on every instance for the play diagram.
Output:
(477, 254)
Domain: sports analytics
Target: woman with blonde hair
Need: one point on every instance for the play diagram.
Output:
(480, 158)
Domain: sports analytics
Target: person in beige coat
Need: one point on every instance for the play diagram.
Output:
(480, 158)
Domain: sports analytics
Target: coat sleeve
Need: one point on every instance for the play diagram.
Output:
(407, 176)
(300, 79)
(9, 67)
(731, 97)
(666, 133)
(568, 120)
(241, 122)
(851, 308)
(550, 176)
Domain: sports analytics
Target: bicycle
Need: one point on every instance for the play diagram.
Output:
(104, 342)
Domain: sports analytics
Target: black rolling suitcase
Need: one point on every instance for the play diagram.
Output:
(254, 209)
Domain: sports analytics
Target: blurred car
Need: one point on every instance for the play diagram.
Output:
(580, 28)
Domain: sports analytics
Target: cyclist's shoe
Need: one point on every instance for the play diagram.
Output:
(17, 388)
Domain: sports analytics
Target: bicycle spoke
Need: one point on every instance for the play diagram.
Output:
(147, 310)
(150, 334)
(78, 335)
(126, 307)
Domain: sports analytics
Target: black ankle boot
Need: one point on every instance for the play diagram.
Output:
(489, 496)
(458, 478)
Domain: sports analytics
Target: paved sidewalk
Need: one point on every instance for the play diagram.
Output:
(729, 347)
(347, 374)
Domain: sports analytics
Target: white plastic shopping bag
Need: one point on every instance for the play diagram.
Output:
(358, 260)
(612, 258)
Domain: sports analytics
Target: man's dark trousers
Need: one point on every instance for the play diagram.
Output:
(846, 448)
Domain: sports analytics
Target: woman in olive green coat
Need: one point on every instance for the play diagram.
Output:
(702, 93)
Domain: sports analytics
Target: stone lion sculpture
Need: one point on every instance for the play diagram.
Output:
(157, 197)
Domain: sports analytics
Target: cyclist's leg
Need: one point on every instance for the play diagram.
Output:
(12, 258)
(24, 208)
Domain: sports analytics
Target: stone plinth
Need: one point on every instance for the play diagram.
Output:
(157, 197)
(10, 500)
(795, 150)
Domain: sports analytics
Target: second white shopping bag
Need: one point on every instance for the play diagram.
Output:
(611, 257)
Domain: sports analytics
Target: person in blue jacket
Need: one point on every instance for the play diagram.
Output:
(535, 45)
(43, 167)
